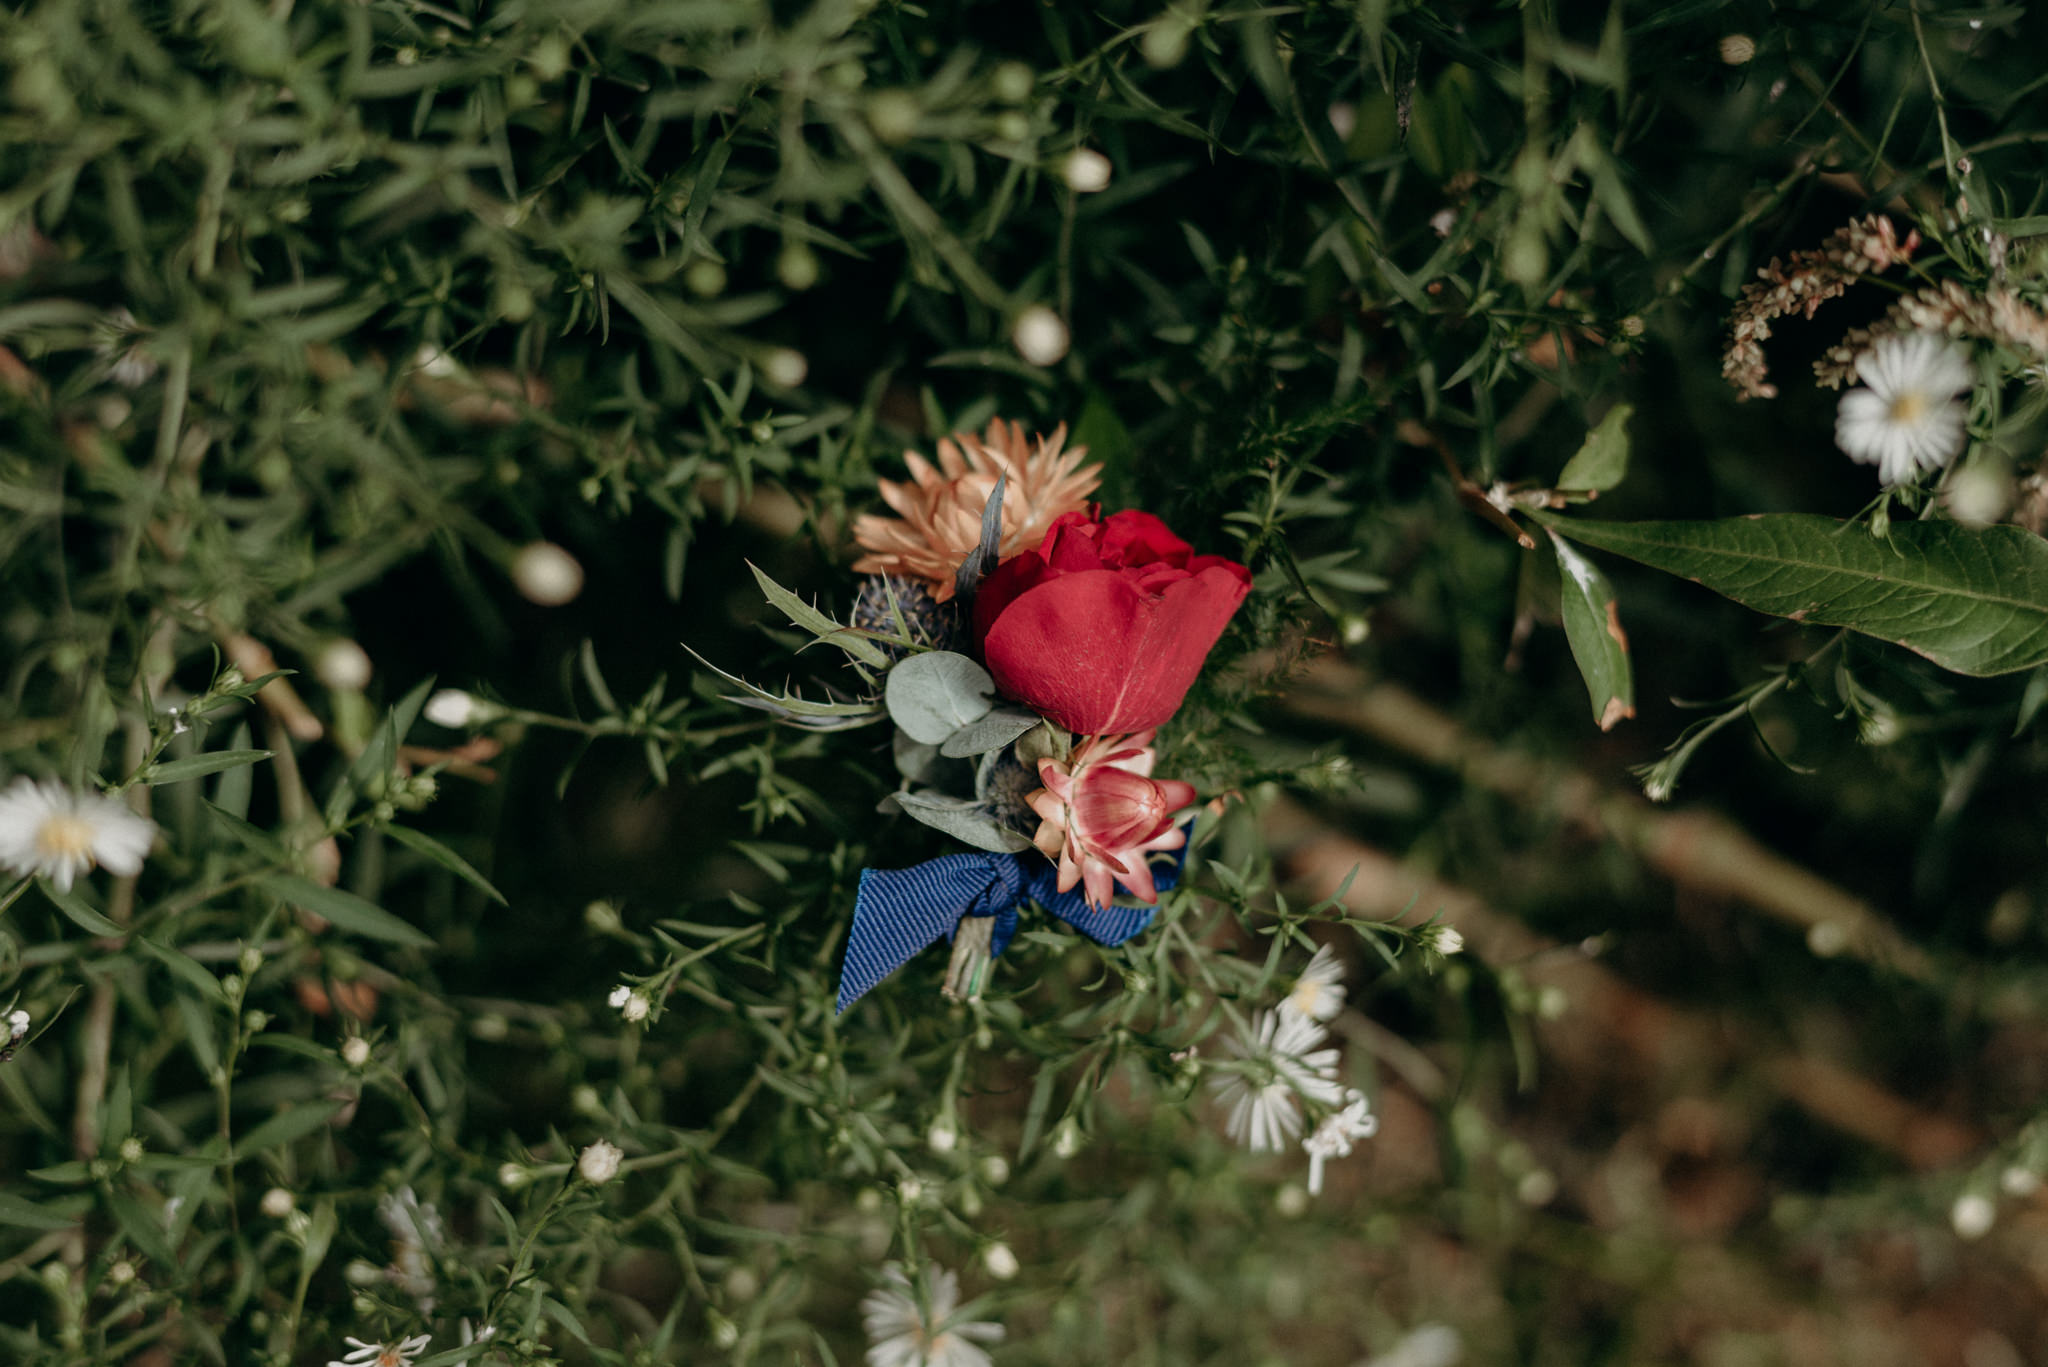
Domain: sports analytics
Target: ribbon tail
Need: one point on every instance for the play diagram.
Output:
(900, 912)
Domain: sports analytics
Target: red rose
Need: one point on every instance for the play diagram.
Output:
(1104, 627)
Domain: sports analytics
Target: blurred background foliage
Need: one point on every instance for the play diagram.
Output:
(317, 316)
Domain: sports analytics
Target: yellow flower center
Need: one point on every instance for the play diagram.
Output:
(1910, 406)
(65, 837)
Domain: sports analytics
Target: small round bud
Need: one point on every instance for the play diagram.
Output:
(995, 1169)
(546, 574)
(355, 1051)
(797, 267)
(1738, 49)
(603, 918)
(1039, 335)
(121, 1273)
(1972, 1216)
(343, 666)
(1085, 171)
(1166, 42)
(511, 1176)
(1000, 1261)
(705, 278)
(249, 960)
(490, 1027)
(741, 1284)
(893, 115)
(724, 1333)
(1826, 939)
(362, 1272)
(1067, 1142)
(1012, 82)
(599, 1163)
(453, 708)
(943, 1137)
(1291, 1201)
(1536, 1188)
(910, 1191)
(2018, 1181)
(276, 1203)
(132, 1150)
(785, 367)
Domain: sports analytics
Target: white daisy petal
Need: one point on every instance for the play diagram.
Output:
(50, 831)
(1907, 420)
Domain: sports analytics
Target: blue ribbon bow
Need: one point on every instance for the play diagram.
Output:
(900, 912)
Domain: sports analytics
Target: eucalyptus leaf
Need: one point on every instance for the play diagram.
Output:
(933, 695)
(964, 820)
(1592, 624)
(1973, 600)
(992, 732)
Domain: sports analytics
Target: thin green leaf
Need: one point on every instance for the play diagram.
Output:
(74, 907)
(344, 909)
(421, 843)
(199, 766)
(818, 623)
(285, 1126)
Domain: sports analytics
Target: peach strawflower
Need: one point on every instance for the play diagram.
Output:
(1103, 812)
(938, 518)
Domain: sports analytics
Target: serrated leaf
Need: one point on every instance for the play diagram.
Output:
(965, 821)
(1592, 624)
(199, 766)
(1602, 459)
(1973, 600)
(933, 695)
(344, 909)
(992, 732)
(819, 624)
(421, 843)
(817, 716)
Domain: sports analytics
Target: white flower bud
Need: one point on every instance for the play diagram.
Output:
(1972, 1215)
(910, 1191)
(17, 1025)
(355, 1051)
(599, 1163)
(1039, 335)
(785, 367)
(1738, 49)
(547, 574)
(121, 1273)
(276, 1203)
(943, 1136)
(511, 1176)
(995, 1169)
(1068, 1141)
(2018, 1181)
(1000, 1261)
(343, 666)
(1086, 170)
(452, 708)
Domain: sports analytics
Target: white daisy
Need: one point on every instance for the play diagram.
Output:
(903, 1334)
(1335, 1136)
(1319, 992)
(1908, 419)
(1282, 1059)
(48, 830)
(399, 1354)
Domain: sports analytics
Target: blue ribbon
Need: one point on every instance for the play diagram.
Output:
(900, 912)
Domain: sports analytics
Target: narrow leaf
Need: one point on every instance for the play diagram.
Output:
(1973, 600)
(818, 623)
(184, 967)
(344, 909)
(421, 843)
(199, 766)
(285, 1126)
(29, 1215)
(1592, 624)
(74, 907)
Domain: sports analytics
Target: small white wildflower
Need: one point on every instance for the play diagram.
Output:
(399, 1354)
(943, 1136)
(1085, 170)
(452, 708)
(1907, 419)
(1318, 993)
(902, 1332)
(1335, 1136)
(599, 1163)
(1972, 1216)
(343, 665)
(51, 831)
(1446, 940)
(1039, 335)
(276, 1203)
(628, 1003)
(355, 1051)
(121, 1273)
(1283, 1058)
(1738, 49)
(910, 1191)
(17, 1025)
(132, 1150)
(1000, 1261)
(1443, 220)
(546, 574)
(433, 361)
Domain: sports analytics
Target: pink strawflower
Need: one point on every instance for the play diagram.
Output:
(1103, 812)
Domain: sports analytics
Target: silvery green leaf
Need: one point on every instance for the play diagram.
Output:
(991, 732)
(915, 759)
(814, 716)
(935, 694)
(965, 821)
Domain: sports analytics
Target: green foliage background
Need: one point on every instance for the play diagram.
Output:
(670, 284)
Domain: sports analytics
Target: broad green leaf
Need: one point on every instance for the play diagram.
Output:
(344, 909)
(1971, 600)
(1603, 458)
(933, 695)
(1592, 624)
(818, 623)
(199, 766)
(448, 859)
